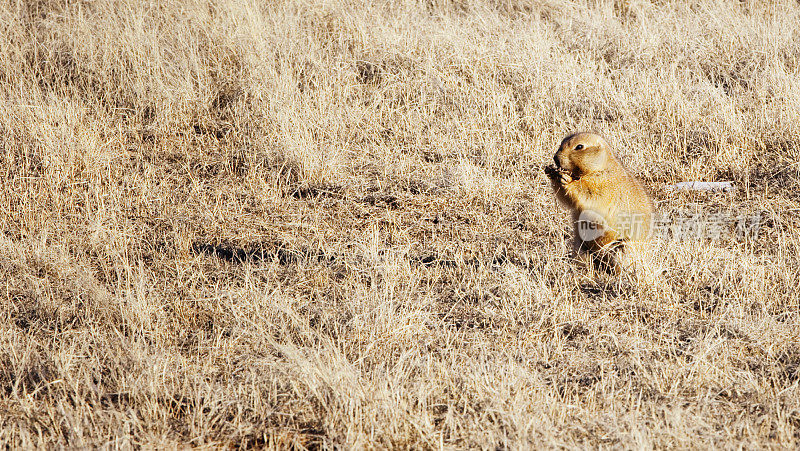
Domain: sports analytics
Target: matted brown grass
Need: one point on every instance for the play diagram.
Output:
(298, 223)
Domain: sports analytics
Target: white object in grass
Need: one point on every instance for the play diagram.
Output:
(700, 186)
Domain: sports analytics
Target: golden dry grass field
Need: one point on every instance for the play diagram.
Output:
(326, 224)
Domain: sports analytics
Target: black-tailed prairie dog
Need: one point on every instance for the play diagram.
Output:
(610, 208)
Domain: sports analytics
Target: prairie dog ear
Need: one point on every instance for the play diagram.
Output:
(592, 159)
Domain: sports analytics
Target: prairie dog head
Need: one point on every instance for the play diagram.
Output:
(583, 153)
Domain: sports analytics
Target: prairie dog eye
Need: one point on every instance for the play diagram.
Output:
(579, 147)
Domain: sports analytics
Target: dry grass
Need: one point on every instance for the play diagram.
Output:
(326, 223)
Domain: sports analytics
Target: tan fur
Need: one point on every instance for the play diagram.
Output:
(589, 180)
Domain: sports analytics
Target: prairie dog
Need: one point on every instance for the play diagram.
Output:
(609, 206)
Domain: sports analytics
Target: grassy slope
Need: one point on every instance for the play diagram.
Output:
(326, 223)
